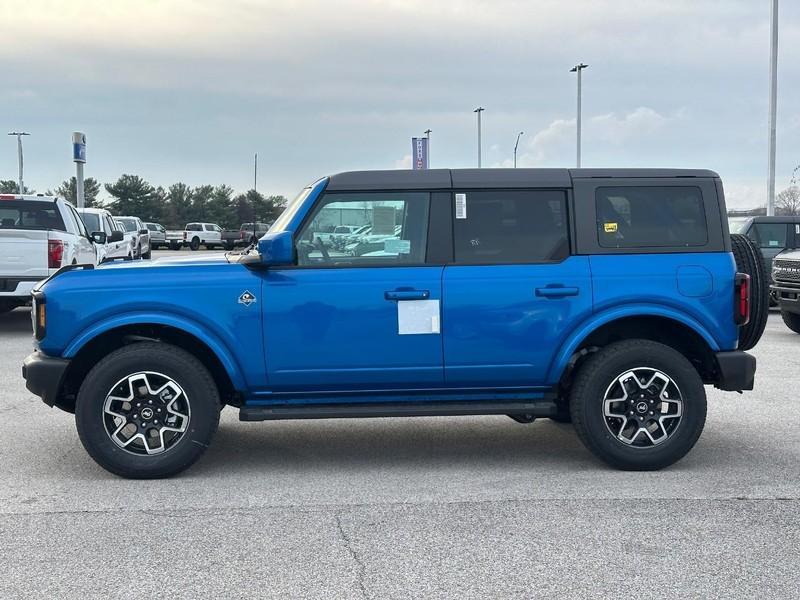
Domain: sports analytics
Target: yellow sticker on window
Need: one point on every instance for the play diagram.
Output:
(610, 227)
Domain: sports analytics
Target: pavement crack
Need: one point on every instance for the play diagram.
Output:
(361, 569)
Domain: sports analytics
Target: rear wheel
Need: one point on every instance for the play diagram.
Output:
(147, 410)
(749, 260)
(791, 320)
(638, 405)
(194, 244)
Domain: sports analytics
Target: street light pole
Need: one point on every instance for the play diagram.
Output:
(479, 110)
(515, 147)
(19, 135)
(577, 69)
(427, 133)
(773, 107)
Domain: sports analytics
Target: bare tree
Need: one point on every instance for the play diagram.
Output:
(788, 201)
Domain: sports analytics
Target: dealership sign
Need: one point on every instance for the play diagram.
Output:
(79, 147)
(419, 153)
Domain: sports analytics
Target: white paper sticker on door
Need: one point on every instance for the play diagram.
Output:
(416, 317)
(461, 206)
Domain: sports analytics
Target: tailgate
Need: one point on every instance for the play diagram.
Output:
(23, 253)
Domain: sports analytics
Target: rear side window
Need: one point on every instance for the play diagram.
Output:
(650, 216)
(27, 214)
(514, 226)
(768, 235)
(92, 221)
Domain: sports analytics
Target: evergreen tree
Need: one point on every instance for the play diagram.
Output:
(69, 191)
(136, 197)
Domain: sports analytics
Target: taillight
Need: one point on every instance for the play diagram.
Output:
(741, 299)
(55, 254)
(184, 236)
(241, 235)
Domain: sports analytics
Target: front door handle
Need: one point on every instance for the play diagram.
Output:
(407, 294)
(557, 291)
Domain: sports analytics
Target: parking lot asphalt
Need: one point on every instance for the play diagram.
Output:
(470, 507)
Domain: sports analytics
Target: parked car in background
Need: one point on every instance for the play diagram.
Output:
(772, 234)
(786, 287)
(175, 238)
(158, 235)
(250, 233)
(138, 235)
(38, 236)
(230, 238)
(202, 234)
(111, 244)
(605, 297)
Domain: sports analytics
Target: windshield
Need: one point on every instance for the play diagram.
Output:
(290, 211)
(127, 224)
(92, 222)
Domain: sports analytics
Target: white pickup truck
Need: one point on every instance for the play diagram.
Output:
(38, 235)
(207, 234)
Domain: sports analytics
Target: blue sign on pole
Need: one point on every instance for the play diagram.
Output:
(79, 147)
(419, 153)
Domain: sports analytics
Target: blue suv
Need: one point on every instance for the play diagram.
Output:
(603, 297)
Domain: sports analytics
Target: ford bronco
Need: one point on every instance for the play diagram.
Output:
(606, 298)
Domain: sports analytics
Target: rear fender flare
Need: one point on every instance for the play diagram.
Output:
(573, 342)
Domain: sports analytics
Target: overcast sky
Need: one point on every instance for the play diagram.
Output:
(180, 90)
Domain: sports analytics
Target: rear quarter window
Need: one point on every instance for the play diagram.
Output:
(650, 217)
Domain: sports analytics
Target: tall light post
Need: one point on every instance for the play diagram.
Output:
(479, 110)
(521, 133)
(427, 133)
(19, 135)
(577, 69)
(773, 107)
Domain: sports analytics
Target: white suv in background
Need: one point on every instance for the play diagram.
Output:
(207, 234)
(111, 244)
(38, 235)
(137, 233)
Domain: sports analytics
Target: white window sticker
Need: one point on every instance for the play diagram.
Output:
(396, 246)
(797, 228)
(461, 206)
(416, 317)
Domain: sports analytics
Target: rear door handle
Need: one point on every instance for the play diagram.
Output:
(557, 291)
(407, 295)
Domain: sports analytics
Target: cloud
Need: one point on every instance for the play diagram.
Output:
(403, 163)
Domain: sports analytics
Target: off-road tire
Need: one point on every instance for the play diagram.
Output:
(749, 260)
(792, 320)
(171, 361)
(596, 375)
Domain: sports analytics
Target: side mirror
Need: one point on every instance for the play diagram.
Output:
(144, 231)
(116, 236)
(99, 237)
(276, 249)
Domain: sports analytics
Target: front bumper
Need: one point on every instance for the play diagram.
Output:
(787, 295)
(736, 371)
(43, 375)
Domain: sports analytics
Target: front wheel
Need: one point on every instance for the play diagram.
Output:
(147, 255)
(147, 410)
(638, 405)
(791, 320)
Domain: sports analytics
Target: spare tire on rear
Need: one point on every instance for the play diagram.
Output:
(750, 261)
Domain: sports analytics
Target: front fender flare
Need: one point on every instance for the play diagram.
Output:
(573, 342)
(216, 345)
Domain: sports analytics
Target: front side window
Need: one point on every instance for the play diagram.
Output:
(768, 235)
(650, 216)
(393, 230)
(511, 226)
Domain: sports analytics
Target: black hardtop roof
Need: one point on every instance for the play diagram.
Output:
(492, 178)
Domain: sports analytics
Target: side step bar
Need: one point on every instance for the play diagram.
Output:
(542, 408)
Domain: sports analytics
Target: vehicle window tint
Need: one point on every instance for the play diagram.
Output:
(768, 235)
(92, 221)
(109, 225)
(30, 214)
(79, 222)
(519, 226)
(152, 227)
(650, 216)
(393, 229)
